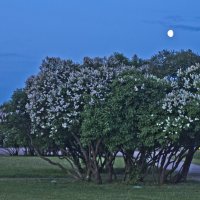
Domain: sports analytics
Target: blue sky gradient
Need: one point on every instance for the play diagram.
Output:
(33, 29)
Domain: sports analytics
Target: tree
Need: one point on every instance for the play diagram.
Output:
(137, 62)
(87, 113)
(15, 123)
(166, 63)
(126, 121)
(158, 118)
(56, 97)
(182, 107)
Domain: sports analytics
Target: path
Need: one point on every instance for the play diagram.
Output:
(194, 172)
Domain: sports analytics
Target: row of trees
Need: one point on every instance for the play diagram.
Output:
(89, 113)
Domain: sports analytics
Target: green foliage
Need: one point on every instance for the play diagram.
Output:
(166, 63)
(16, 125)
(128, 117)
(93, 110)
(135, 175)
(118, 59)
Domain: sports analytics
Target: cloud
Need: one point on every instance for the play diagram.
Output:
(187, 27)
(176, 22)
(175, 18)
(6, 56)
(9, 54)
(167, 20)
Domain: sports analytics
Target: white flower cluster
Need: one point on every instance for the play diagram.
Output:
(151, 76)
(138, 86)
(185, 92)
(57, 94)
(3, 115)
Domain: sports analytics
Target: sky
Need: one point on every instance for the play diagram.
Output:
(72, 29)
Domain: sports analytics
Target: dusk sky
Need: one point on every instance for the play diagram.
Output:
(30, 30)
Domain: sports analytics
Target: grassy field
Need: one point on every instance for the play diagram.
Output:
(64, 190)
(31, 178)
(28, 167)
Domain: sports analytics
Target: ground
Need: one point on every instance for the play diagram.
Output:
(31, 178)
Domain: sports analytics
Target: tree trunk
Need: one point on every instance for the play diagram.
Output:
(162, 177)
(88, 175)
(186, 166)
(98, 177)
(110, 172)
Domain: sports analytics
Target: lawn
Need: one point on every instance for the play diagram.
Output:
(31, 167)
(45, 189)
(196, 159)
(31, 178)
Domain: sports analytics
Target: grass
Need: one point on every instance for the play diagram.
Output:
(119, 162)
(28, 167)
(31, 178)
(64, 190)
(196, 159)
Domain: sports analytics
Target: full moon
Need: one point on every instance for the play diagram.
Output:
(170, 33)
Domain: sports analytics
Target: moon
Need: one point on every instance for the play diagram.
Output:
(170, 33)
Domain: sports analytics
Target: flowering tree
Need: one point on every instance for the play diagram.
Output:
(158, 118)
(56, 98)
(182, 124)
(87, 113)
(126, 122)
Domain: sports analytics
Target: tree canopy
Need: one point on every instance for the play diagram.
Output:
(145, 110)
